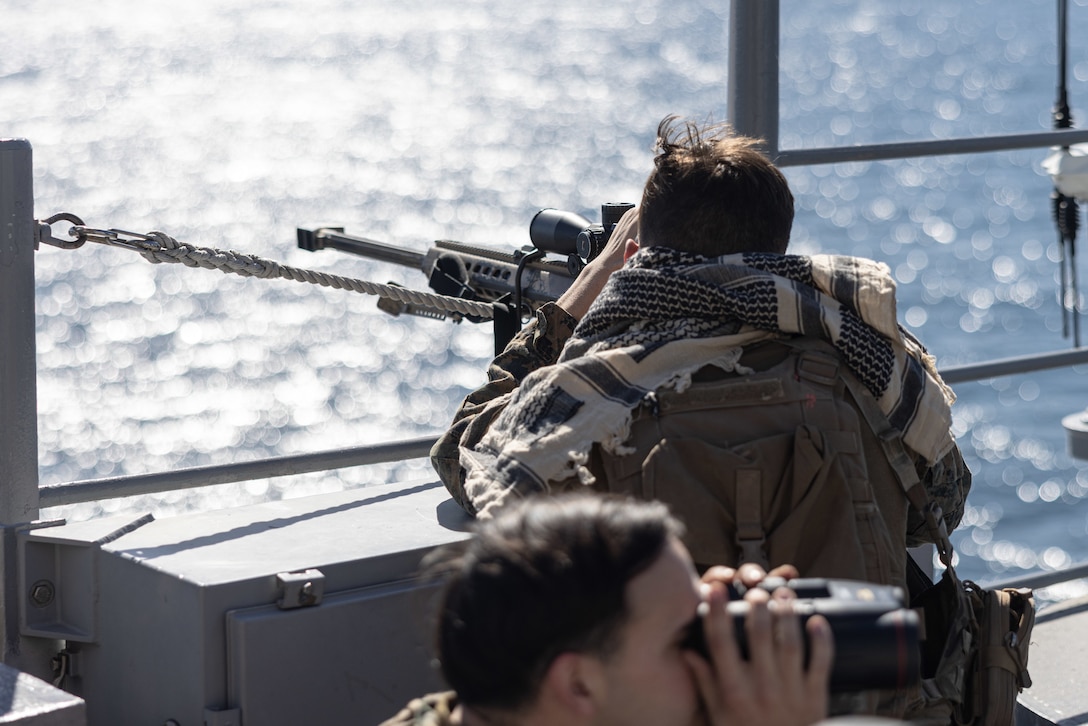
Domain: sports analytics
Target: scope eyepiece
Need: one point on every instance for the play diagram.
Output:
(612, 212)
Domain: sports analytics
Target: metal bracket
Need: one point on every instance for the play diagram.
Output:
(300, 589)
(58, 576)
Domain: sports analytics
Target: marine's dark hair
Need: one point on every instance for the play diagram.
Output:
(713, 193)
(545, 577)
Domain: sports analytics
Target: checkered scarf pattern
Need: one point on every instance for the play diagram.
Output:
(667, 314)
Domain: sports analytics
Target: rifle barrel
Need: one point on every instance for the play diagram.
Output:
(335, 237)
(491, 274)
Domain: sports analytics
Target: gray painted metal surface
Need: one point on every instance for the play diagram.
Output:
(1013, 366)
(18, 371)
(186, 618)
(753, 70)
(1058, 667)
(29, 701)
(18, 395)
(931, 147)
(1039, 580)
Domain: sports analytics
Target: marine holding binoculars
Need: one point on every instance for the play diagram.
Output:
(580, 609)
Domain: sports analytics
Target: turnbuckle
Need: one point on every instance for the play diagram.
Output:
(119, 238)
(81, 234)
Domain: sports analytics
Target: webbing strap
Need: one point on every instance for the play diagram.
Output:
(900, 462)
(1000, 656)
(889, 436)
(934, 517)
(750, 535)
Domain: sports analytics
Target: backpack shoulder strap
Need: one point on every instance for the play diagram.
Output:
(896, 454)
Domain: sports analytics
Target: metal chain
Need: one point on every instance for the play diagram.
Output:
(159, 247)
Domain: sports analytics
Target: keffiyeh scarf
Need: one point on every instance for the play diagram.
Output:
(665, 315)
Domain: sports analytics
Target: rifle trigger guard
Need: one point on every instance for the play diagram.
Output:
(523, 260)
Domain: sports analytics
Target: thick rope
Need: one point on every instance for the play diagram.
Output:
(161, 247)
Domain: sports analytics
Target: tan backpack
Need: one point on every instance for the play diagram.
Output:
(760, 466)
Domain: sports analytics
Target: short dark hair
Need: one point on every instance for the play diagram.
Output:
(713, 193)
(546, 576)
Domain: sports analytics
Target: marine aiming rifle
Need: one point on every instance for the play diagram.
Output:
(513, 282)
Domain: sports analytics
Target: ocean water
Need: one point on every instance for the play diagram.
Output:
(229, 123)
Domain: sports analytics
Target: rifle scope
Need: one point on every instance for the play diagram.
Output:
(569, 233)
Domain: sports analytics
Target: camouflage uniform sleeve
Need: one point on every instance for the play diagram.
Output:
(435, 709)
(536, 346)
(947, 482)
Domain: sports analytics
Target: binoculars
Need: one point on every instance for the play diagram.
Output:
(876, 637)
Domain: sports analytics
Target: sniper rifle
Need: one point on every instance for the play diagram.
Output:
(514, 282)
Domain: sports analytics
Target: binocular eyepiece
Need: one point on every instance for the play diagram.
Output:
(571, 234)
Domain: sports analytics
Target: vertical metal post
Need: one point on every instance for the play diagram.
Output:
(753, 70)
(18, 394)
(18, 372)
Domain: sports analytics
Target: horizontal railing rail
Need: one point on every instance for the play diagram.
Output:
(91, 490)
(1012, 366)
(1039, 580)
(53, 495)
(892, 151)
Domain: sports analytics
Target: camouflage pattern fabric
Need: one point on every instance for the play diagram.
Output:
(537, 345)
(435, 709)
(947, 482)
(540, 343)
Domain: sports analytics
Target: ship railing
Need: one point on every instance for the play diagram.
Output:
(90, 490)
(895, 151)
